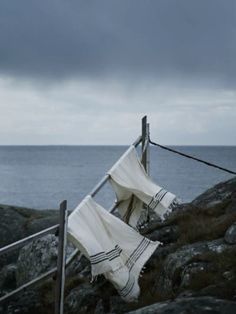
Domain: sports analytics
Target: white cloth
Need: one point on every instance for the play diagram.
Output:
(133, 187)
(113, 248)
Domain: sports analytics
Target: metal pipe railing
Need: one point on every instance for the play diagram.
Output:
(53, 229)
(38, 280)
(22, 242)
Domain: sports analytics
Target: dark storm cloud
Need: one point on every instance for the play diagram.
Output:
(60, 39)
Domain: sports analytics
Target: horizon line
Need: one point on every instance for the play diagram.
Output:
(118, 145)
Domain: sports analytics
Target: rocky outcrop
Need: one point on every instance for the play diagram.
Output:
(223, 192)
(18, 222)
(194, 271)
(230, 235)
(182, 268)
(200, 305)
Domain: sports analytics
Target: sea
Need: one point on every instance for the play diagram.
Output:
(42, 176)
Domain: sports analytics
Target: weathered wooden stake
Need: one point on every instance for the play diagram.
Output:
(148, 149)
(61, 260)
(144, 129)
(145, 143)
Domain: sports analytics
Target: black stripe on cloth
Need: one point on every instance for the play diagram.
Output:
(97, 262)
(113, 249)
(130, 259)
(137, 253)
(114, 255)
(157, 199)
(91, 256)
(128, 287)
(140, 244)
(116, 249)
(97, 258)
(163, 196)
(102, 256)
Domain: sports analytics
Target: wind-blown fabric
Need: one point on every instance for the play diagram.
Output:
(133, 188)
(114, 249)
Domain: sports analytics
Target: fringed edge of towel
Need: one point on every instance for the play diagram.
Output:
(171, 208)
(138, 258)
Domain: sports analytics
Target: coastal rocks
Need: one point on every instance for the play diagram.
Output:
(183, 265)
(166, 235)
(7, 278)
(230, 235)
(28, 303)
(117, 305)
(38, 257)
(200, 305)
(224, 192)
(18, 222)
(192, 271)
(81, 300)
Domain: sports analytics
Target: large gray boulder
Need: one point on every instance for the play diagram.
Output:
(201, 305)
(19, 222)
(224, 192)
(82, 299)
(180, 266)
(38, 257)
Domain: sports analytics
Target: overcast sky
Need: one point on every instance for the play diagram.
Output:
(85, 72)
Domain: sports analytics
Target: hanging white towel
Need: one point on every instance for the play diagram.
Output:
(114, 249)
(133, 187)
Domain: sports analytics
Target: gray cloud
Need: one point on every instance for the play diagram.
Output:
(158, 38)
(67, 64)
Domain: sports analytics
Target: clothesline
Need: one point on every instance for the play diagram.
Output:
(191, 157)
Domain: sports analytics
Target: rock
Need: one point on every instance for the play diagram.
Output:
(79, 265)
(117, 305)
(99, 308)
(178, 266)
(193, 263)
(200, 305)
(18, 222)
(38, 257)
(228, 275)
(222, 192)
(231, 207)
(230, 235)
(7, 278)
(81, 300)
(191, 271)
(165, 235)
(27, 303)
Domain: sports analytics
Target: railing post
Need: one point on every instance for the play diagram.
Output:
(148, 149)
(61, 260)
(145, 144)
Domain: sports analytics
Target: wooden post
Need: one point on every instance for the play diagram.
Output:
(144, 129)
(148, 149)
(145, 152)
(145, 143)
(61, 260)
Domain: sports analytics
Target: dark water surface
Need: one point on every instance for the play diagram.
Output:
(42, 176)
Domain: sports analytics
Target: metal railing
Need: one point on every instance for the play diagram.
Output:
(59, 271)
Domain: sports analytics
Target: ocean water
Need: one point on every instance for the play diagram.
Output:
(42, 176)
